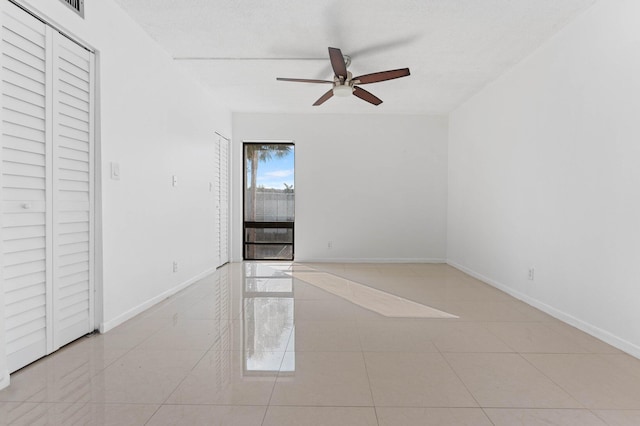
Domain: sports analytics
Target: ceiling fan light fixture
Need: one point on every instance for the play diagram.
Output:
(343, 90)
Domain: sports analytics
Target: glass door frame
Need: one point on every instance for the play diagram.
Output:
(263, 224)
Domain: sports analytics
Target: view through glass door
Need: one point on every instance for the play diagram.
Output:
(269, 200)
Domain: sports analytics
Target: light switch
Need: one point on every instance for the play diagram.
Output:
(174, 180)
(115, 171)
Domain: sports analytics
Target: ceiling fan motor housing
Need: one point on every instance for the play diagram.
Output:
(343, 90)
(343, 87)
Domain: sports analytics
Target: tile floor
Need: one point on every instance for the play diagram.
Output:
(253, 345)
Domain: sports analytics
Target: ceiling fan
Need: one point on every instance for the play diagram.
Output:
(344, 84)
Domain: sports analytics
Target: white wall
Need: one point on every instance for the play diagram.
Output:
(155, 122)
(374, 185)
(544, 172)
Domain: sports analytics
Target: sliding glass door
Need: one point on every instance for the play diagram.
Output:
(269, 200)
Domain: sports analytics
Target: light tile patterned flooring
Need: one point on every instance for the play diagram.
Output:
(251, 345)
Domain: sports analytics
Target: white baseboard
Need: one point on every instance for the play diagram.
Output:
(588, 328)
(108, 325)
(5, 379)
(370, 260)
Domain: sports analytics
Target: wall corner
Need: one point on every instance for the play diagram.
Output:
(5, 379)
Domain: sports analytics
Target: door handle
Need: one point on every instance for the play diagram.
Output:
(26, 206)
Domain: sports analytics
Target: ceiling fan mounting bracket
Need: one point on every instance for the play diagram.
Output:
(347, 60)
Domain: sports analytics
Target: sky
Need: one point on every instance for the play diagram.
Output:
(276, 172)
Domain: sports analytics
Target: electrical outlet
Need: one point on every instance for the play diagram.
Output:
(175, 266)
(329, 244)
(532, 272)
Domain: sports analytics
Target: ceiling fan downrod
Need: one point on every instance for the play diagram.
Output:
(347, 60)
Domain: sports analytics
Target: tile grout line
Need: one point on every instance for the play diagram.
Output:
(366, 369)
(463, 383)
(550, 379)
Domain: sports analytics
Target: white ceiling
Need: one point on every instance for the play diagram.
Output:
(453, 47)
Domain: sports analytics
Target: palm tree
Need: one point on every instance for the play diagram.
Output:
(256, 154)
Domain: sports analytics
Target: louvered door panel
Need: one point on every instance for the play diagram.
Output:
(216, 186)
(72, 191)
(224, 200)
(23, 184)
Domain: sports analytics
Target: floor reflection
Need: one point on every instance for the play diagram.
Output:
(236, 348)
(268, 305)
(64, 376)
(268, 318)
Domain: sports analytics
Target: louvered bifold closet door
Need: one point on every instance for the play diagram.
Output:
(72, 191)
(23, 184)
(216, 186)
(224, 200)
(46, 187)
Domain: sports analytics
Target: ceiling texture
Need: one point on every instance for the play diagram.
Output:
(237, 48)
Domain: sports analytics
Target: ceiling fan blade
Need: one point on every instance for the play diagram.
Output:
(337, 62)
(382, 76)
(323, 98)
(364, 95)
(303, 80)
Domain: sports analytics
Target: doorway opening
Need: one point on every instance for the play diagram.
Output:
(269, 200)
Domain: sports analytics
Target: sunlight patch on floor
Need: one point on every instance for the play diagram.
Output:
(369, 298)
